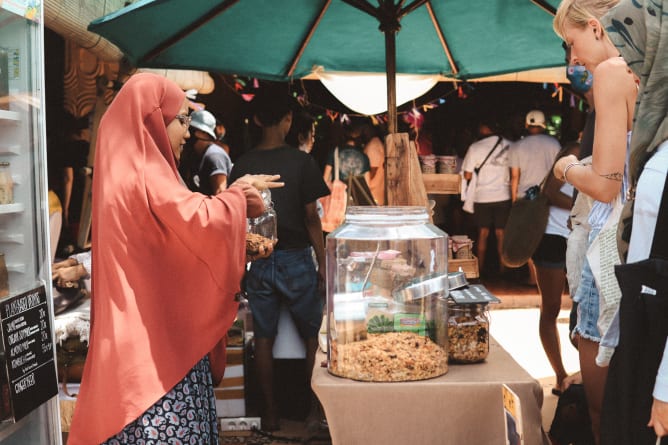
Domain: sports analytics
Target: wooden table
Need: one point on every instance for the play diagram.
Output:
(464, 406)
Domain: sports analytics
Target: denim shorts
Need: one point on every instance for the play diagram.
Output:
(587, 298)
(289, 277)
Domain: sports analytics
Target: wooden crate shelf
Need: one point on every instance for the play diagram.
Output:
(469, 266)
(442, 183)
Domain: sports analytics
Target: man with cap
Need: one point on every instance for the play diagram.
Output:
(530, 160)
(205, 165)
(531, 157)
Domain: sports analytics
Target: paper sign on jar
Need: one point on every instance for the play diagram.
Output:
(410, 323)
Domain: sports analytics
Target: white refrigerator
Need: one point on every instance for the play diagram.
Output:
(28, 379)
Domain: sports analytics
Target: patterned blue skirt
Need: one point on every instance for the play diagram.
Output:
(185, 415)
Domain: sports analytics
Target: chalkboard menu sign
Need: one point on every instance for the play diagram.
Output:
(29, 368)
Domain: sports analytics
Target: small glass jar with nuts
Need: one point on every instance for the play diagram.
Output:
(468, 332)
(261, 233)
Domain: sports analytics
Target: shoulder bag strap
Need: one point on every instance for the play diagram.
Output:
(660, 241)
(477, 170)
(560, 155)
(549, 172)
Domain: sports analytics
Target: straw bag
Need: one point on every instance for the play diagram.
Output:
(525, 226)
(334, 205)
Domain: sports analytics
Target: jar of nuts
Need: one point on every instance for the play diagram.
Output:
(265, 224)
(468, 332)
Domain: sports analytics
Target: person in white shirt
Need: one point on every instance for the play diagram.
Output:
(492, 186)
(531, 159)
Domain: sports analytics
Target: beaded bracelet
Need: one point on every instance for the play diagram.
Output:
(566, 169)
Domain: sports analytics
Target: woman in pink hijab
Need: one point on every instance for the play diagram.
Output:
(167, 264)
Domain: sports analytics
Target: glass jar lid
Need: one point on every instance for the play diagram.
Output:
(389, 215)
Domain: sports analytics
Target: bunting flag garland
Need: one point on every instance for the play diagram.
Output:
(332, 115)
(246, 89)
(380, 119)
(558, 91)
(414, 119)
(460, 93)
(303, 101)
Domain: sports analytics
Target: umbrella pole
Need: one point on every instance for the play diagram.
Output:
(403, 179)
(391, 74)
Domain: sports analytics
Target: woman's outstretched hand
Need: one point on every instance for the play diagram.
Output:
(262, 182)
(251, 184)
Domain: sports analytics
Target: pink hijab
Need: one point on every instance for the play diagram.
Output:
(166, 264)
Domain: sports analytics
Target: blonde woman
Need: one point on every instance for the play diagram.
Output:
(577, 22)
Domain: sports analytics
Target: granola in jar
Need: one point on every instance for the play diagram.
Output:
(468, 333)
(389, 357)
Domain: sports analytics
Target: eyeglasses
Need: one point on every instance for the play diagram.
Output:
(184, 119)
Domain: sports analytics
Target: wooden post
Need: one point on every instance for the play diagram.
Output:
(403, 176)
(391, 77)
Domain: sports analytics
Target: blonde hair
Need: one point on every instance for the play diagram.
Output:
(579, 12)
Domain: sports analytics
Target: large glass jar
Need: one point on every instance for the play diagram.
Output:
(387, 291)
(468, 332)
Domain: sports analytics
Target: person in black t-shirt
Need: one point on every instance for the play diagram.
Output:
(288, 276)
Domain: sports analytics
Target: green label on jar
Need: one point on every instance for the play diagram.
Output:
(410, 323)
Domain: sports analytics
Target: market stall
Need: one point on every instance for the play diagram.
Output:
(409, 355)
(464, 406)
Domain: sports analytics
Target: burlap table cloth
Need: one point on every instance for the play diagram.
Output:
(464, 406)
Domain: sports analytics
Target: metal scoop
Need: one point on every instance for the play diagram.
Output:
(421, 287)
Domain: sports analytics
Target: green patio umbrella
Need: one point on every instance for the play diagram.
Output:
(288, 39)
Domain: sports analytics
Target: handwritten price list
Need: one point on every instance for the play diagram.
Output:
(29, 357)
